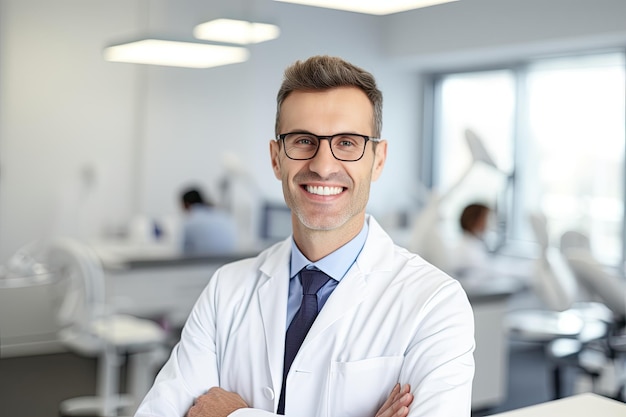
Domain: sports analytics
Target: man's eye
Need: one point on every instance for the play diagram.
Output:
(305, 140)
(346, 142)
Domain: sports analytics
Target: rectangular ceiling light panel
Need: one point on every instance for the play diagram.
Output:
(376, 7)
(236, 31)
(175, 53)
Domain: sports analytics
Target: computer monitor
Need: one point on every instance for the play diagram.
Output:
(275, 221)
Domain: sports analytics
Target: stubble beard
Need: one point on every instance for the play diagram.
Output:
(324, 220)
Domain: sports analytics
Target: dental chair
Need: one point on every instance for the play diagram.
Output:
(562, 318)
(574, 239)
(88, 328)
(610, 288)
(555, 287)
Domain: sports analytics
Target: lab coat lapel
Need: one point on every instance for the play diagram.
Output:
(272, 298)
(348, 294)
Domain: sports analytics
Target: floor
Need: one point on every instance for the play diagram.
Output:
(529, 380)
(33, 386)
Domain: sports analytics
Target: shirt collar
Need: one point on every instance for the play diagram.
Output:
(337, 263)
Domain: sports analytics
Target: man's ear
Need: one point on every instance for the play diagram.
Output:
(380, 156)
(274, 155)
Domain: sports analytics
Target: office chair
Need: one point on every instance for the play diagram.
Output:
(610, 288)
(88, 328)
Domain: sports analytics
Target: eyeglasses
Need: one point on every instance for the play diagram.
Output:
(347, 147)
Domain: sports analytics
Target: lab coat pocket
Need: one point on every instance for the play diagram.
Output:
(359, 388)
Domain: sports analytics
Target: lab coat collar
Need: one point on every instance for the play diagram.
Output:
(378, 253)
(375, 256)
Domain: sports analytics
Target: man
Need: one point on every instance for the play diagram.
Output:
(471, 255)
(206, 229)
(394, 335)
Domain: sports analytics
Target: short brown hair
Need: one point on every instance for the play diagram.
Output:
(471, 214)
(324, 72)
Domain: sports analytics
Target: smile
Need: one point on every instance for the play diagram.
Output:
(324, 190)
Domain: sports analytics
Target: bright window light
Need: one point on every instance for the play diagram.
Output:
(376, 7)
(562, 135)
(236, 31)
(175, 53)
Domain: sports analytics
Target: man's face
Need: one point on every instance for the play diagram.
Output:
(324, 193)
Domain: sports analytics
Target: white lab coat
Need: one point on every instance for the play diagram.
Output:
(393, 318)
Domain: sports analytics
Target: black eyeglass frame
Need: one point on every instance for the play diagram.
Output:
(329, 138)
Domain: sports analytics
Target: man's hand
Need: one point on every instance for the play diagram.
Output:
(398, 402)
(216, 403)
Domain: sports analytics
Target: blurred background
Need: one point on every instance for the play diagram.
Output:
(517, 104)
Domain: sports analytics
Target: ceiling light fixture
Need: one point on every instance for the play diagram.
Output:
(236, 31)
(376, 7)
(175, 53)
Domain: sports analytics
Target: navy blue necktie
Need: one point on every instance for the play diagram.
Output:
(312, 280)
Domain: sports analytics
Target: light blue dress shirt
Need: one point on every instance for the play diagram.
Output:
(336, 265)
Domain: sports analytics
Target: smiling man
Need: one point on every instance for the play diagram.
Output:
(336, 320)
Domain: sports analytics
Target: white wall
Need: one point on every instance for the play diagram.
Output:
(142, 132)
(145, 131)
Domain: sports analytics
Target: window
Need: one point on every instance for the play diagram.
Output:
(555, 130)
(483, 102)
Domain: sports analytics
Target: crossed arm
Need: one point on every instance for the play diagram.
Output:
(218, 402)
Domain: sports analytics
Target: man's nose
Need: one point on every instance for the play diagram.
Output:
(324, 163)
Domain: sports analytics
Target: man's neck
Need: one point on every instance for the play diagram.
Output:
(316, 244)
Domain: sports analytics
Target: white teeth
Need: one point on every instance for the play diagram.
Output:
(324, 190)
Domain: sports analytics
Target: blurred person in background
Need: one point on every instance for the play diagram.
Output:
(471, 255)
(206, 230)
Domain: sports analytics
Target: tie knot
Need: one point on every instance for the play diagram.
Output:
(312, 280)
